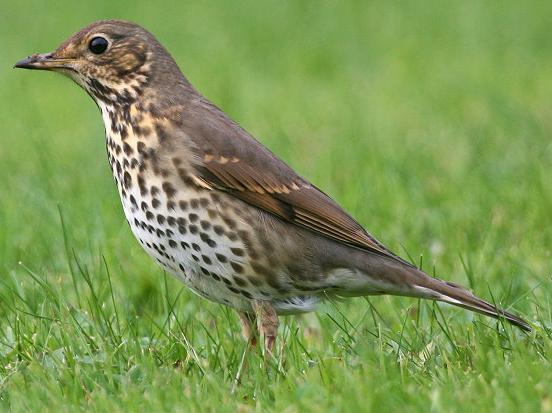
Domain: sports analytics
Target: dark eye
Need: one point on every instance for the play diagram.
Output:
(98, 45)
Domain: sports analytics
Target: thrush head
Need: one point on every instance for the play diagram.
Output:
(112, 60)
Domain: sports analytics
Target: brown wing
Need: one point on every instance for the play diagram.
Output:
(231, 160)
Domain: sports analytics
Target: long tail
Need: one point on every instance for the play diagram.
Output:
(457, 295)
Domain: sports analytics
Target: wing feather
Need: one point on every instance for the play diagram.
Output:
(294, 200)
(229, 159)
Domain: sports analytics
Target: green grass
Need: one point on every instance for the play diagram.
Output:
(429, 121)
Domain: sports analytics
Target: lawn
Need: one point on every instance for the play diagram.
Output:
(429, 121)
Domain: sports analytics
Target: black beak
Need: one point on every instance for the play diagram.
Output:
(44, 61)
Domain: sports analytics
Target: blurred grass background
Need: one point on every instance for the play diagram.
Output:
(431, 122)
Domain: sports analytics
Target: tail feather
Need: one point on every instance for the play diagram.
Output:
(459, 296)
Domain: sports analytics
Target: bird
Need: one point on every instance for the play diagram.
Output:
(215, 207)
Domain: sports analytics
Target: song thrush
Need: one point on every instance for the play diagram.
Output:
(215, 207)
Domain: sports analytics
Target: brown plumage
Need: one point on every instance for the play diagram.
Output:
(214, 206)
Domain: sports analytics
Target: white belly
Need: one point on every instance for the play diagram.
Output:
(183, 241)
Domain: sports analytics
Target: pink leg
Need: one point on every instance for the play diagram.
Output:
(267, 322)
(247, 322)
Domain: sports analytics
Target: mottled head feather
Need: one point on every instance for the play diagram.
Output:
(132, 62)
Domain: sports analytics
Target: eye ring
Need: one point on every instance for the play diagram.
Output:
(98, 45)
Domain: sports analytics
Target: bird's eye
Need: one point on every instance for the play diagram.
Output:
(98, 45)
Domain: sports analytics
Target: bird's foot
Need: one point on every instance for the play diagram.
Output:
(267, 323)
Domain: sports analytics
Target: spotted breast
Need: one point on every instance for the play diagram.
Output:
(204, 238)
